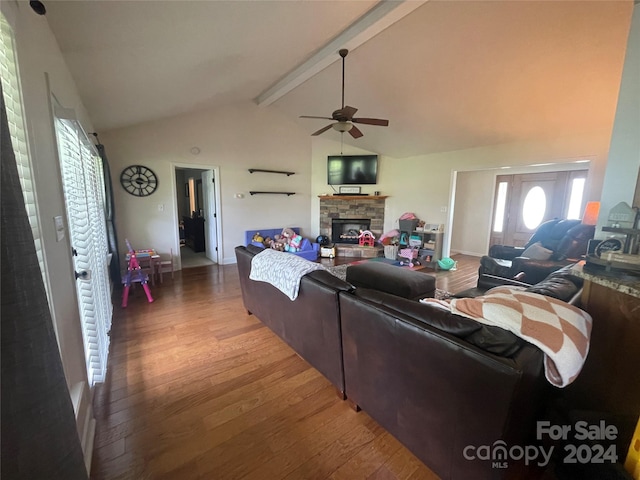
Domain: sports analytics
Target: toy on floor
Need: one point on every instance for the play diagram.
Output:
(366, 238)
(134, 274)
(409, 256)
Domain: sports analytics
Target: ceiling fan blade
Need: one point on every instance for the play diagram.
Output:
(322, 130)
(371, 121)
(355, 132)
(311, 116)
(348, 111)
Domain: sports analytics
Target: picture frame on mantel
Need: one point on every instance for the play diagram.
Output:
(350, 189)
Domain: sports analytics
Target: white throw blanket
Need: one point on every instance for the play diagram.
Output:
(282, 270)
(559, 329)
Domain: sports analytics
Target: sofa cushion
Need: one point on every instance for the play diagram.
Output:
(391, 279)
(489, 338)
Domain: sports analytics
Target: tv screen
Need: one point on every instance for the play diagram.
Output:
(352, 169)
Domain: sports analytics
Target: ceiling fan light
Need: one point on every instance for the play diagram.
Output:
(342, 126)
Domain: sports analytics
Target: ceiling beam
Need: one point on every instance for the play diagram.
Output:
(384, 14)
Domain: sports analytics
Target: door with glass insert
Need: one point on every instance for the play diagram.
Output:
(523, 202)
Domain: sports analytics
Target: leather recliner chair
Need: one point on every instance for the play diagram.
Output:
(567, 240)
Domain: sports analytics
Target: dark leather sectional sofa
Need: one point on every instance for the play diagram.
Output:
(436, 381)
(310, 324)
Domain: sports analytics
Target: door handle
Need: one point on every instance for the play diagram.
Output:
(84, 275)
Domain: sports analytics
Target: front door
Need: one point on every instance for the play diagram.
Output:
(523, 202)
(210, 215)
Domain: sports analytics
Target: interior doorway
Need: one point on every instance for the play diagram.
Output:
(197, 207)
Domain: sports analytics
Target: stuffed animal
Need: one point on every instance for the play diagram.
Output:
(278, 243)
(257, 238)
(267, 241)
(293, 240)
(390, 238)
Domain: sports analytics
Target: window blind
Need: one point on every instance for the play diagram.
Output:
(15, 117)
(83, 189)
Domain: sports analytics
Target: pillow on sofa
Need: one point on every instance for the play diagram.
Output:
(537, 252)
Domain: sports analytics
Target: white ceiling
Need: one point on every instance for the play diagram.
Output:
(449, 75)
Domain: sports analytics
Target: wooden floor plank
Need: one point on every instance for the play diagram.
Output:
(199, 389)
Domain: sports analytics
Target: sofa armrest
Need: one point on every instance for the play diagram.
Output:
(537, 270)
(487, 281)
(331, 281)
(505, 252)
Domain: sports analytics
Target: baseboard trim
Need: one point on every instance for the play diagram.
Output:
(465, 252)
(81, 397)
(228, 261)
(88, 442)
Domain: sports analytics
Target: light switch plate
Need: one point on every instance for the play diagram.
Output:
(58, 223)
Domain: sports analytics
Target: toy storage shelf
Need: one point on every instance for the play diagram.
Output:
(272, 193)
(261, 170)
(430, 245)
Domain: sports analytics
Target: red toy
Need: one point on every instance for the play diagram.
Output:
(134, 274)
(366, 238)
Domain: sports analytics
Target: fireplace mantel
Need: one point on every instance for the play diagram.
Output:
(352, 197)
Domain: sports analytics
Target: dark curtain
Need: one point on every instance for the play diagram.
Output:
(109, 206)
(39, 436)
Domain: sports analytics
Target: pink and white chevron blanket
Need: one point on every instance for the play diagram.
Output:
(561, 330)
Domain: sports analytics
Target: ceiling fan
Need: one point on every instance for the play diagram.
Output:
(344, 116)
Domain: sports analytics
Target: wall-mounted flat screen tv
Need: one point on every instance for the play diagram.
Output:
(352, 169)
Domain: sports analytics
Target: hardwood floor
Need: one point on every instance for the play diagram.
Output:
(198, 389)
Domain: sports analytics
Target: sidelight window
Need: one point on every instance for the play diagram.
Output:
(501, 205)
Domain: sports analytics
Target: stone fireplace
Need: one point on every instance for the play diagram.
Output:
(347, 230)
(351, 208)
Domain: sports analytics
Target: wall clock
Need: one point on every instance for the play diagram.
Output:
(138, 180)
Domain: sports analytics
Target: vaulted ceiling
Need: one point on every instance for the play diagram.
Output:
(448, 75)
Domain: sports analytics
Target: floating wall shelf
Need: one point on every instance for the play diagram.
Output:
(272, 193)
(251, 170)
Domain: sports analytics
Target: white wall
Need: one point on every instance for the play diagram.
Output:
(234, 139)
(472, 211)
(624, 155)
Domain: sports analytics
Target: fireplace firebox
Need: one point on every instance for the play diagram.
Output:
(347, 230)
